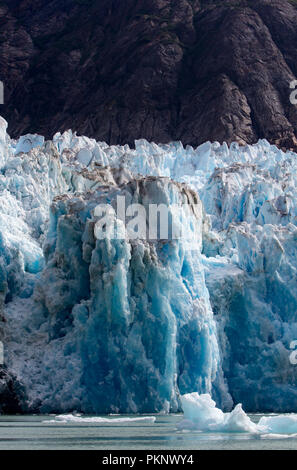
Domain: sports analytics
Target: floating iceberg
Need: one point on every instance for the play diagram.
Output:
(201, 414)
(286, 424)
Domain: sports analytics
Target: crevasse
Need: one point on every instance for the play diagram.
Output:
(129, 325)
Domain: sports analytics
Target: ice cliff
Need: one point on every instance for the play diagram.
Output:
(128, 325)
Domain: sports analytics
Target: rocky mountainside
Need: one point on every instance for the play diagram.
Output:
(164, 70)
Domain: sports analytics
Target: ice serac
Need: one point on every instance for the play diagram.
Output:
(129, 325)
(112, 325)
(131, 318)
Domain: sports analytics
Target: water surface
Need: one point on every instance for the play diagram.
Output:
(30, 432)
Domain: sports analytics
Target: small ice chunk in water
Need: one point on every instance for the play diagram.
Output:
(283, 424)
(64, 419)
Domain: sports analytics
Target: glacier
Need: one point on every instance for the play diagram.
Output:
(131, 325)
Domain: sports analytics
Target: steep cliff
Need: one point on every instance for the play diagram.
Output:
(162, 70)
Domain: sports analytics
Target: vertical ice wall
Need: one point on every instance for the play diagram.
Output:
(131, 318)
(125, 325)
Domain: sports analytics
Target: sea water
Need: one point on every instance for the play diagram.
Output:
(46, 433)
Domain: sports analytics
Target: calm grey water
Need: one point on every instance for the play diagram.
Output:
(29, 432)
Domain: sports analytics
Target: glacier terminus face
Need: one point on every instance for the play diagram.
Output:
(128, 324)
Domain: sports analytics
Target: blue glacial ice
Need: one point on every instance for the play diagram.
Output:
(124, 325)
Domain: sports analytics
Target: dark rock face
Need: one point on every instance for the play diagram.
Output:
(12, 396)
(164, 70)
